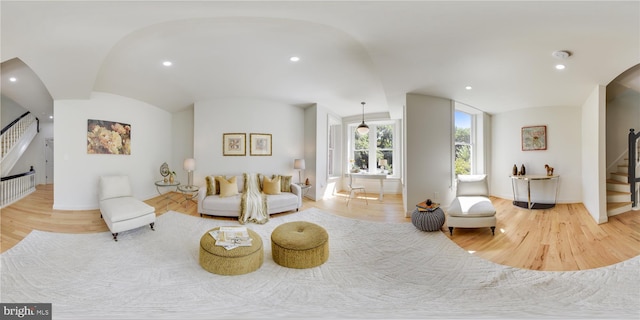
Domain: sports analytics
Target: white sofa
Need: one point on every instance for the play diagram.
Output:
(214, 205)
(119, 209)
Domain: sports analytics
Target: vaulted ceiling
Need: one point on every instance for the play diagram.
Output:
(350, 51)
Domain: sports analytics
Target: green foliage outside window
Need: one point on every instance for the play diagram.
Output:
(463, 151)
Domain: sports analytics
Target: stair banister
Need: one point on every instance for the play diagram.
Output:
(633, 157)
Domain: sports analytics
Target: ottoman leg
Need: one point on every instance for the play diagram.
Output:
(451, 230)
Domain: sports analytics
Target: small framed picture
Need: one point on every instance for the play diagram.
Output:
(260, 144)
(534, 138)
(234, 144)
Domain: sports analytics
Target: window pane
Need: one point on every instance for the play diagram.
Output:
(384, 136)
(463, 142)
(361, 159)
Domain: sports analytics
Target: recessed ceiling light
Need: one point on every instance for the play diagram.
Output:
(13, 79)
(50, 117)
(167, 63)
(468, 87)
(560, 66)
(294, 59)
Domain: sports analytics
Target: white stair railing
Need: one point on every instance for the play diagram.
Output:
(13, 133)
(16, 187)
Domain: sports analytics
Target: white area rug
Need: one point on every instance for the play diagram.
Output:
(375, 270)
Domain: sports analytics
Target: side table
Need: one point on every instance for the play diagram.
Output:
(305, 188)
(189, 192)
(173, 185)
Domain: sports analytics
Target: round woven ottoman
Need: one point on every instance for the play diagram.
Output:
(240, 260)
(300, 245)
(428, 220)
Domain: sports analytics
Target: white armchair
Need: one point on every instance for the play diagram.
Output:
(471, 208)
(119, 209)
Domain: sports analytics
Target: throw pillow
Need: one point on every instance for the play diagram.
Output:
(271, 186)
(211, 185)
(228, 188)
(285, 183)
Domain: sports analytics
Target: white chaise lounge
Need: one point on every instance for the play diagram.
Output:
(471, 208)
(119, 209)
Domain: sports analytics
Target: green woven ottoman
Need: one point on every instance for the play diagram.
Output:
(240, 260)
(300, 245)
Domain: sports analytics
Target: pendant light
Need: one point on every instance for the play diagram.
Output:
(363, 128)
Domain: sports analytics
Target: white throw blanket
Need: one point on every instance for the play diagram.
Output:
(253, 207)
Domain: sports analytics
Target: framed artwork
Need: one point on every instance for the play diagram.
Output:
(534, 138)
(234, 144)
(260, 144)
(108, 137)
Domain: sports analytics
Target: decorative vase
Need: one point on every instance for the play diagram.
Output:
(171, 179)
(515, 170)
(522, 170)
(307, 182)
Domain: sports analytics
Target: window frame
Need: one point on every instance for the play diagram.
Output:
(373, 148)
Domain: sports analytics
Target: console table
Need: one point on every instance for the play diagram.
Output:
(532, 204)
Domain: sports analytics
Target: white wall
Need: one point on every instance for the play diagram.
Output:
(593, 154)
(563, 152)
(243, 115)
(428, 150)
(182, 141)
(623, 113)
(76, 172)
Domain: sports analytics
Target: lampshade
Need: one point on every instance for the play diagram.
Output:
(298, 164)
(363, 128)
(189, 164)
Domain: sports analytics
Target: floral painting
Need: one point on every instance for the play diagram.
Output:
(108, 137)
(534, 138)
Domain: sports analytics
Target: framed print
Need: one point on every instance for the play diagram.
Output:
(260, 144)
(534, 138)
(108, 137)
(234, 144)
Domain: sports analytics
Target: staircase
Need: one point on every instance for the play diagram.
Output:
(14, 140)
(618, 195)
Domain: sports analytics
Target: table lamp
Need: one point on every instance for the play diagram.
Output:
(189, 165)
(299, 165)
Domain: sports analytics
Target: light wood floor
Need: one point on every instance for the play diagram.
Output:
(560, 239)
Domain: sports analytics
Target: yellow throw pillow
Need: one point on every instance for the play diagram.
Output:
(271, 186)
(228, 188)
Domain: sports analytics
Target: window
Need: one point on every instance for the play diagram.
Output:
(374, 151)
(463, 143)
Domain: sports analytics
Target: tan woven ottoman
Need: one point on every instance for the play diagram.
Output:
(241, 260)
(299, 245)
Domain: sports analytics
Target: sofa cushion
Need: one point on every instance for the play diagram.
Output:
(216, 203)
(474, 206)
(124, 208)
(279, 203)
(473, 185)
(271, 186)
(114, 186)
(229, 187)
(211, 185)
(285, 183)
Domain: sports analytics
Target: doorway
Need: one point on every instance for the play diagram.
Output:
(48, 160)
